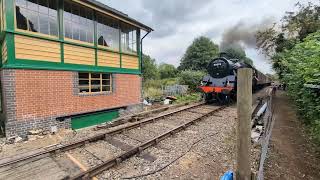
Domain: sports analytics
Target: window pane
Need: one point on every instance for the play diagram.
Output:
(95, 82)
(21, 3)
(43, 6)
(128, 38)
(32, 5)
(106, 88)
(67, 11)
(34, 15)
(106, 76)
(84, 89)
(53, 26)
(53, 8)
(44, 26)
(95, 75)
(106, 82)
(108, 32)
(83, 75)
(84, 82)
(81, 23)
(83, 35)
(21, 14)
(95, 88)
(33, 21)
(68, 30)
(75, 32)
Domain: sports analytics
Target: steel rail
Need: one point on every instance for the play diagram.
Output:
(79, 143)
(137, 149)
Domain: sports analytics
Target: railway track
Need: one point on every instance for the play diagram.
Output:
(143, 134)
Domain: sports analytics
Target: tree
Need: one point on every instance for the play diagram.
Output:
(237, 52)
(199, 54)
(294, 28)
(149, 68)
(167, 71)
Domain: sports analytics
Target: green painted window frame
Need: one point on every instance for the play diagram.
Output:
(10, 31)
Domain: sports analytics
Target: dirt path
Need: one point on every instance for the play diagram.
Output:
(291, 155)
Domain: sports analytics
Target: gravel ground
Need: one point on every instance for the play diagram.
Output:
(200, 148)
(204, 150)
(64, 136)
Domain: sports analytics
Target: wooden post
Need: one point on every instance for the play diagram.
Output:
(244, 106)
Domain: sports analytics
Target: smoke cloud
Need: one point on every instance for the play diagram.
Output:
(243, 34)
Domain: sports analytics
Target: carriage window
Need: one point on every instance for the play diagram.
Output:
(37, 16)
(78, 22)
(95, 82)
(128, 38)
(108, 32)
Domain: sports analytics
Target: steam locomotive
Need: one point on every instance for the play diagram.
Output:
(221, 82)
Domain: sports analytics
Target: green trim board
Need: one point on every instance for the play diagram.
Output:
(93, 119)
(43, 65)
(11, 54)
(9, 11)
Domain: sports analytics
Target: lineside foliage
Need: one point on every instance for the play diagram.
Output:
(301, 65)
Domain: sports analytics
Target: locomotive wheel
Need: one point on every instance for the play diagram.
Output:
(223, 99)
(208, 97)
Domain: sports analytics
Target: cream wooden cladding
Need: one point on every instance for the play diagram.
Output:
(130, 62)
(109, 59)
(79, 55)
(36, 49)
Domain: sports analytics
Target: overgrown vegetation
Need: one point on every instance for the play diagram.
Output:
(295, 54)
(190, 72)
(191, 78)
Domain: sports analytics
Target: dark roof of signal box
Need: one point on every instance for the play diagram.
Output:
(118, 13)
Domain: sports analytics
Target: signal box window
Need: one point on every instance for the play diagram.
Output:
(37, 16)
(128, 38)
(95, 82)
(78, 22)
(107, 32)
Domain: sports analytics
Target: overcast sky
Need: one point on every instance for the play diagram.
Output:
(178, 22)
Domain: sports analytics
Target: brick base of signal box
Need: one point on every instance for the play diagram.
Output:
(34, 99)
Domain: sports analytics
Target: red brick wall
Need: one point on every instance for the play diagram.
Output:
(41, 93)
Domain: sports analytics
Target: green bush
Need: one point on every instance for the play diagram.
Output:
(302, 66)
(191, 78)
(193, 97)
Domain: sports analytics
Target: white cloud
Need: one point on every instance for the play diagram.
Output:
(178, 22)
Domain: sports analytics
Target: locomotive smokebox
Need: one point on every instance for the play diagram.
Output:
(219, 67)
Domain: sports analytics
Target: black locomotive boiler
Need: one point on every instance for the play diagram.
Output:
(221, 82)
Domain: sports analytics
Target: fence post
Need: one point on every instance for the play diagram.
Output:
(244, 106)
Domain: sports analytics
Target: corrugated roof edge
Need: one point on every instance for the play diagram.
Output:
(119, 13)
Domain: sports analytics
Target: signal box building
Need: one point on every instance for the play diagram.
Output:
(66, 63)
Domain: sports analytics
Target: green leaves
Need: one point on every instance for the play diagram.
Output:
(199, 54)
(303, 63)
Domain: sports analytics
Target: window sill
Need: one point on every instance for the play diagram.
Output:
(36, 34)
(108, 49)
(130, 53)
(96, 94)
(73, 41)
